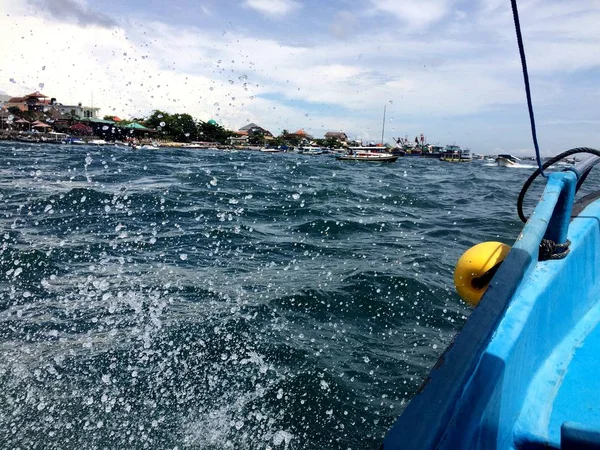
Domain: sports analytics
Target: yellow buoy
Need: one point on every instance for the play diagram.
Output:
(475, 269)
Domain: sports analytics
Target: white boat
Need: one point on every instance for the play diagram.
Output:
(269, 150)
(507, 161)
(465, 154)
(76, 141)
(54, 137)
(453, 153)
(368, 156)
(97, 142)
(312, 151)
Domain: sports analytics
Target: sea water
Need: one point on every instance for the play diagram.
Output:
(212, 300)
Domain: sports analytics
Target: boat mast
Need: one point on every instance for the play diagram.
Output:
(383, 124)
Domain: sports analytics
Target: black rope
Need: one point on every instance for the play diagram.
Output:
(547, 164)
(526, 80)
(551, 250)
(484, 280)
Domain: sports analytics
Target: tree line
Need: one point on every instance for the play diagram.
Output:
(182, 127)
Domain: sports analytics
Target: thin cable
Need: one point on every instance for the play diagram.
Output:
(526, 80)
(547, 164)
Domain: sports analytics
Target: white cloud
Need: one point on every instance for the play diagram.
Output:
(324, 84)
(273, 8)
(73, 10)
(416, 14)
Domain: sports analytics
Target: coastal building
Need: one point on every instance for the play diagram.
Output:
(251, 134)
(79, 111)
(239, 139)
(38, 102)
(253, 129)
(300, 134)
(339, 136)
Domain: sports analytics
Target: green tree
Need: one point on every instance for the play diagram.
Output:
(182, 128)
(15, 110)
(277, 141)
(157, 118)
(292, 140)
(211, 132)
(332, 143)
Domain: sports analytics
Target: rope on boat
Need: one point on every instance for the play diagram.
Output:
(527, 89)
(551, 250)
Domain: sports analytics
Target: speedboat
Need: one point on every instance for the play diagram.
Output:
(97, 142)
(270, 150)
(507, 160)
(75, 141)
(149, 147)
(312, 151)
(368, 156)
(524, 371)
(28, 139)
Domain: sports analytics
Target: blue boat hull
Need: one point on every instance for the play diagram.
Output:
(524, 371)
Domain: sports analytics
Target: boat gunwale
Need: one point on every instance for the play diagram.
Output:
(430, 413)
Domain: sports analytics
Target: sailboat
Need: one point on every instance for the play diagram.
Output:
(370, 154)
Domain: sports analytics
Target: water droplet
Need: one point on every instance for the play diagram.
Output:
(43, 67)
(162, 124)
(183, 256)
(41, 85)
(12, 80)
(105, 127)
(160, 116)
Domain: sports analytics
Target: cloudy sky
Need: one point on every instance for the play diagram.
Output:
(446, 68)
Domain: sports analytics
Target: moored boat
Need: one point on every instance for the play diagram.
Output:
(97, 142)
(432, 151)
(368, 156)
(29, 139)
(75, 141)
(312, 151)
(453, 153)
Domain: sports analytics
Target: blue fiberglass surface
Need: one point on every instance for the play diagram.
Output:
(538, 313)
(551, 315)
